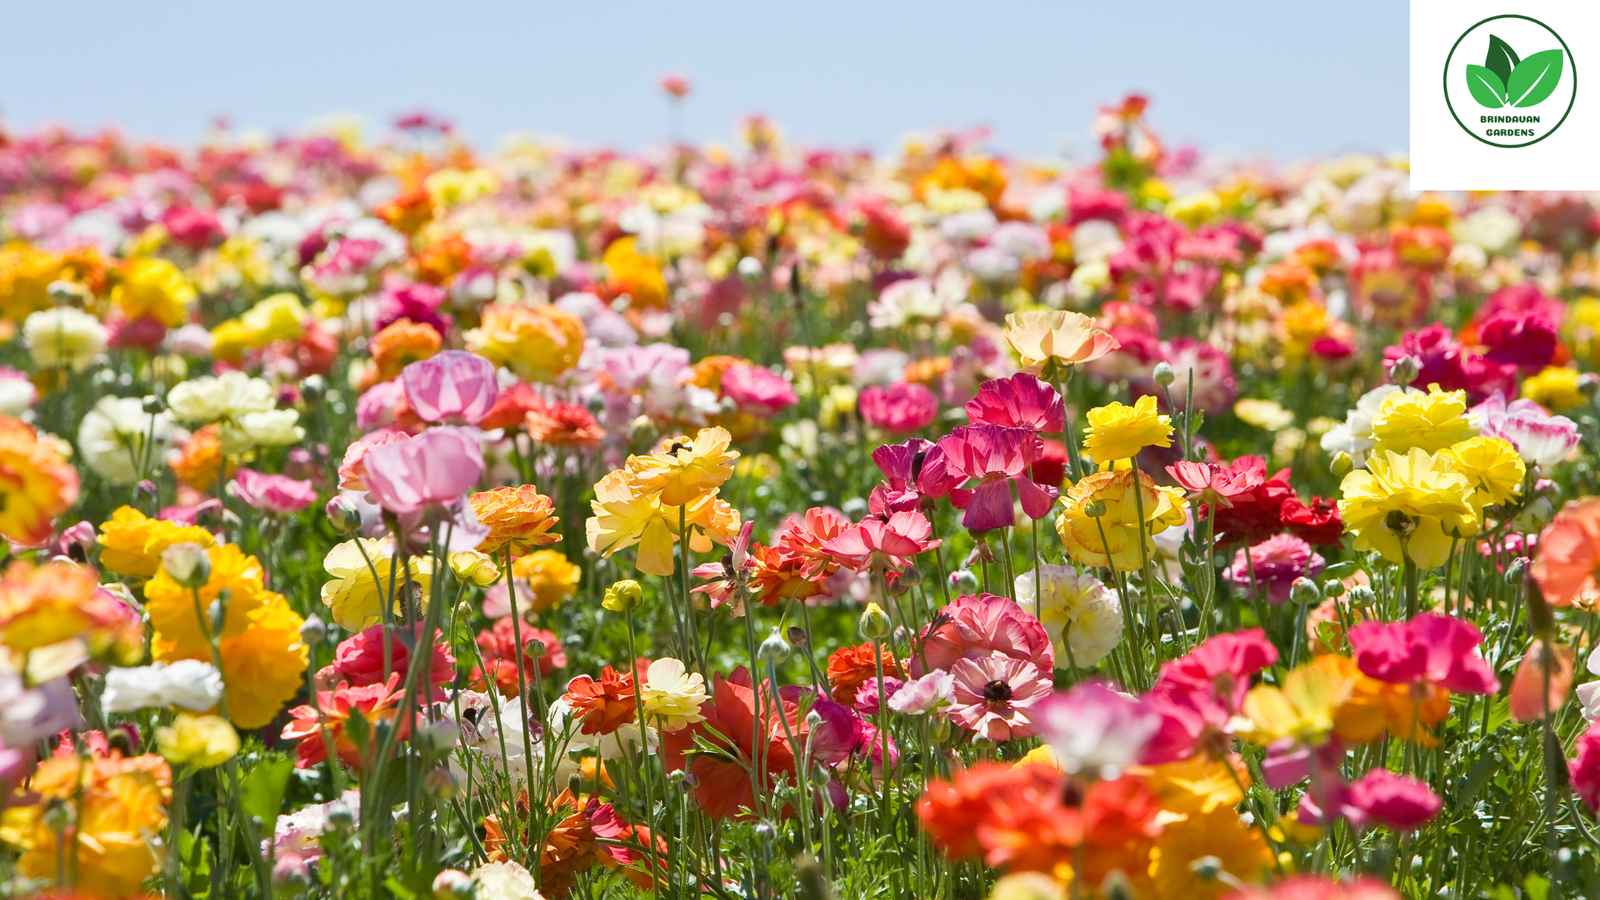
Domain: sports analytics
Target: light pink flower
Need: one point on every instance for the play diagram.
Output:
(424, 482)
(273, 493)
(980, 626)
(995, 695)
(1096, 729)
(1540, 438)
(758, 390)
(353, 470)
(453, 387)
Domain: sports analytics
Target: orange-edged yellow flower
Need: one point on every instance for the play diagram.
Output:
(118, 807)
(519, 519)
(44, 605)
(1307, 706)
(1116, 534)
(1120, 432)
(36, 484)
(154, 287)
(263, 657)
(1065, 338)
(1238, 848)
(681, 470)
(536, 342)
(25, 276)
(550, 576)
(131, 543)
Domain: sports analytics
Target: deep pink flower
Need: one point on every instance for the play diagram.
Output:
(1198, 694)
(901, 407)
(358, 660)
(882, 543)
(995, 696)
(982, 626)
(455, 387)
(995, 456)
(758, 390)
(902, 466)
(416, 301)
(273, 493)
(1431, 648)
(1021, 401)
(1585, 768)
(193, 228)
(1451, 365)
(145, 332)
(1211, 484)
(1522, 338)
(1276, 562)
(1381, 797)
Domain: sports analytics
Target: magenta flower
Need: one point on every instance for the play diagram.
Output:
(416, 301)
(908, 476)
(982, 626)
(1524, 338)
(1585, 768)
(1450, 364)
(1431, 648)
(1381, 797)
(1277, 562)
(1021, 401)
(882, 543)
(995, 456)
(273, 493)
(758, 390)
(995, 695)
(1095, 729)
(1197, 695)
(901, 407)
(454, 387)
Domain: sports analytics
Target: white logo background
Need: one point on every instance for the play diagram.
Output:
(1444, 156)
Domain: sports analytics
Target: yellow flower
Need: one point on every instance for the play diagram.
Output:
(550, 576)
(1556, 387)
(680, 470)
(1120, 432)
(1116, 534)
(622, 519)
(536, 342)
(1268, 415)
(1491, 466)
(474, 567)
(1199, 784)
(1409, 505)
(1240, 850)
(153, 287)
(131, 544)
(25, 276)
(204, 742)
(635, 274)
(1431, 421)
(355, 598)
(262, 654)
(1305, 707)
(280, 317)
(48, 604)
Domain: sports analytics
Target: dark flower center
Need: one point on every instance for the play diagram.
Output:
(997, 691)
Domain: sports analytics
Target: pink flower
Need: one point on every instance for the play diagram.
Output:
(931, 692)
(995, 456)
(273, 493)
(758, 390)
(193, 228)
(1451, 365)
(1522, 338)
(359, 660)
(882, 543)
(1198, 694)
(353, 470)
(901, 407)
(903, 467)
(1021, 401)
(995, 695)
(1431, 648)
(1214, 485)
(982, 626)
(376, 407)
(1585, 768)
(1095, 729)
(455, 387)
(1277, 562)
(436, 467)
(676, 85)
(418, 302)
(1541, 439)
(1381, 797)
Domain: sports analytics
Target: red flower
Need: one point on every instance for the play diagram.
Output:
(1256, 514)
(374, 703)
(1318, 523)
(733, 725)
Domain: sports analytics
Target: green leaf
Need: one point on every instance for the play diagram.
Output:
(1536, 887)
(1502, 59)
(1486, 87)
(262, 790)
(1534, 79)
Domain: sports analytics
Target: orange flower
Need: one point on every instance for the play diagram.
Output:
(708, 371)
(408, 212)
(603, 706)
(634, 274)
(36, 484)
(44, 605)
(1569, 554)
(1406, 711)
(928, 371)
(851, 667)
(980, 811)
(440, 260)
(1065, 338)
(403, 342)
(564, 425)
(569, 849)
(519, 519)
(199, 460)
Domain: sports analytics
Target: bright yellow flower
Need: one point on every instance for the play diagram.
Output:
(1307, 704)
(635, 274)
(25, 276)
(680, 470)
(1491, 466)
(550, 577)
(1555, 387)
(475, 567)
(153, 287)
(263, 657)
(1268, 415)
(131, 543)
(1409, 505)
(623, 518)
(1120, 432)
(1116, 535)
(354, 596)
(1199, 784)
(280, 317)
(204, 742)
(1239, 848)
(1431, 421)
(536, 342)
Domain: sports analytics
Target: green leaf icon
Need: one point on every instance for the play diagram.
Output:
(1486, 87)
(1534, 79)
(1502, 59)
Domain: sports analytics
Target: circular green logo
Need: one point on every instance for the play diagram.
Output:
(1523, 88)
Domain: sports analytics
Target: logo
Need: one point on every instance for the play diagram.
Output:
(1512, 99)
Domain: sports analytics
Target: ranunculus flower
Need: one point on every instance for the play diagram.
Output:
(273, 493)
(901, 407)
(453, 387)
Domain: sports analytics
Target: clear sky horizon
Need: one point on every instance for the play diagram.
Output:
(1286, 80)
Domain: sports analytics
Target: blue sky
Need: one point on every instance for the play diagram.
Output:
(1288, 79)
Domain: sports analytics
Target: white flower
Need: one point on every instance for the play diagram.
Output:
(298, 832)
(17, 393)
(212, 398)
(1589, 693)
(63, 337)
(1079, 606)
(187, 683)
(269, 428)
(504, 881)
(113, 435)
(918, 300)
(1354, 436)
(1094, 240)
(1493, 228)
(672, 695)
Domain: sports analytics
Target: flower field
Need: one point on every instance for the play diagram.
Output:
(390, 518)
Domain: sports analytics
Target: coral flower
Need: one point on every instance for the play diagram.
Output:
(563, 425)
(1409, 506)
(315, 727)
(1066, 338)
(747, 729)
(984, 625)
(498, 645)
(1119, 432)
(518, 518)
(1569, 555)
(453, 387)
(850, 668)
(36, 484)
(603, 705)
(1118, 534)
(400, 344)
(199, 462)
(902, 407)
(1542, 681)
(955, 812)
(879, 544)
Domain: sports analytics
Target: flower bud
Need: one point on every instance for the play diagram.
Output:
(1094, 509)
(963, 580)
(1516, 571)
(1305, 591)
(439, 737)
(187, 564)
(750, 267)
(1333, 587)
(911, 577)
(1341, 465)
(313, 630)
(798, 636)
(1207, 868)
(623, 596)
(153, 405)
(1404, 370)
(938, 729)
(452, 884)
(314, 389)
(775, 649)
(1164, 375)
(765, 832)
(874, 624)
(344, 514)
(441, 785)
(1362, 596)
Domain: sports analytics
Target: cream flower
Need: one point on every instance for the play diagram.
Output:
(113, 435)
(63, 337)
(1077, 606)
(215, 398)
(672, 695)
